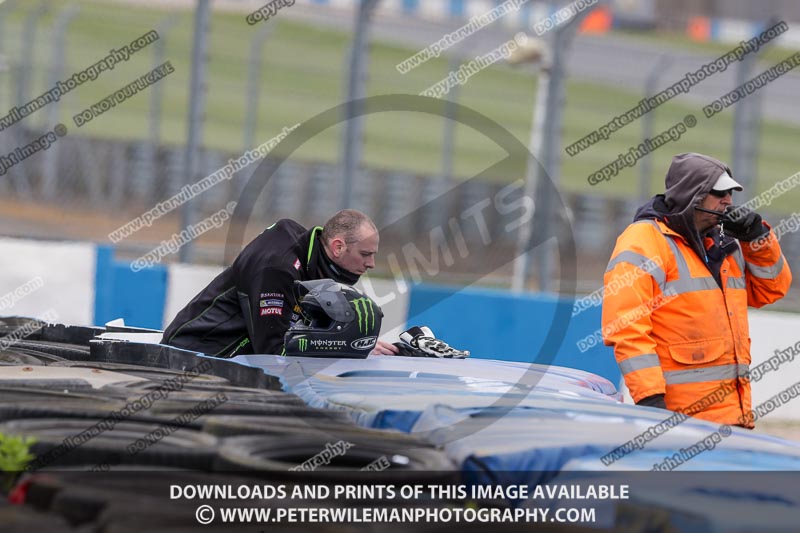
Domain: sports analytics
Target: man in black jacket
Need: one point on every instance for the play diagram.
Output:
(249, 306)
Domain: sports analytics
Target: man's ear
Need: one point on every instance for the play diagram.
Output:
(337, 246)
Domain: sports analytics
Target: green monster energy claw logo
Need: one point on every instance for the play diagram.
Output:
(302, 343)
(365, 313)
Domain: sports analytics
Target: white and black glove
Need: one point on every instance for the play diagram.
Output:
(419, 341)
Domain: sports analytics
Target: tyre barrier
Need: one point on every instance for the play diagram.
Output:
(41, 353)
(24, 358)
(291, 457)
(74, 335)
(16, 519)
(240, 394)
(46, 384)
(32, 327)
(153, 374)
(56, 333)
(116, 503)
(12, 394)
(239, 425)
(257, 433)
(72, 442)
(64, 351)
(71, 343)
(232, 407)
(189, 396)
(160, 356)
(97, 407)
(330, 430)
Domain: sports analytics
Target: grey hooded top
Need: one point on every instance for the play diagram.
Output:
(689, 179)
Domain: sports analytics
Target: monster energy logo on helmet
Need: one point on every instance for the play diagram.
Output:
(302, 343)
(365, 314)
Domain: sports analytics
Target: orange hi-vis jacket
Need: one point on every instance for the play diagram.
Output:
(675, 332)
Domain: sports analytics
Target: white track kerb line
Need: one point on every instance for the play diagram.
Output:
(187, 192)
(455, 37)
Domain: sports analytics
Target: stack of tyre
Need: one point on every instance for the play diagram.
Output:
(112, 425)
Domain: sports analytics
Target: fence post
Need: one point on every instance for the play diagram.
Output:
(544, 164)
(746, 123)
(19, 174)
(448, 135)
(5, 67)
(253, 88)
(356, 82)
(143, 182)
(5, 7)
(197, 103)
(59, 59)
(648, 123)
(252, 98)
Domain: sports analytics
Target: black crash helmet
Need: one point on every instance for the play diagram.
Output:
(338, 321)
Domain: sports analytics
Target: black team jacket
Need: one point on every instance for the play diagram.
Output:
(248, 307)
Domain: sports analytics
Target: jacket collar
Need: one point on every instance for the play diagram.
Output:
(666, 230)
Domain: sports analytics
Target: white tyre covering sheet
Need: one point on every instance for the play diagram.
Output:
(554, 414)
(512, 424)
(547, 439)
(392, 392)
(719, 485)
(701, 502)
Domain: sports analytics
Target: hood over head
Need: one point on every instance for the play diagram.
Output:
(655, 208)
(689, 179)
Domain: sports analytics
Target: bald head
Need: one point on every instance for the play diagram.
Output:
(346, 224)
(350, 239)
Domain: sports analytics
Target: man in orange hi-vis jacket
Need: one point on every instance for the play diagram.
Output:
(683, 278)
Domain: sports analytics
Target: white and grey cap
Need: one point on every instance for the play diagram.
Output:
(725, 183)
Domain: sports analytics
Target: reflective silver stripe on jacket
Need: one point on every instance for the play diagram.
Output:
(638, 362)
(642, 262)
(739, 258)
(685, 282)
(699, 375)
(770, 272)
(737, 282)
